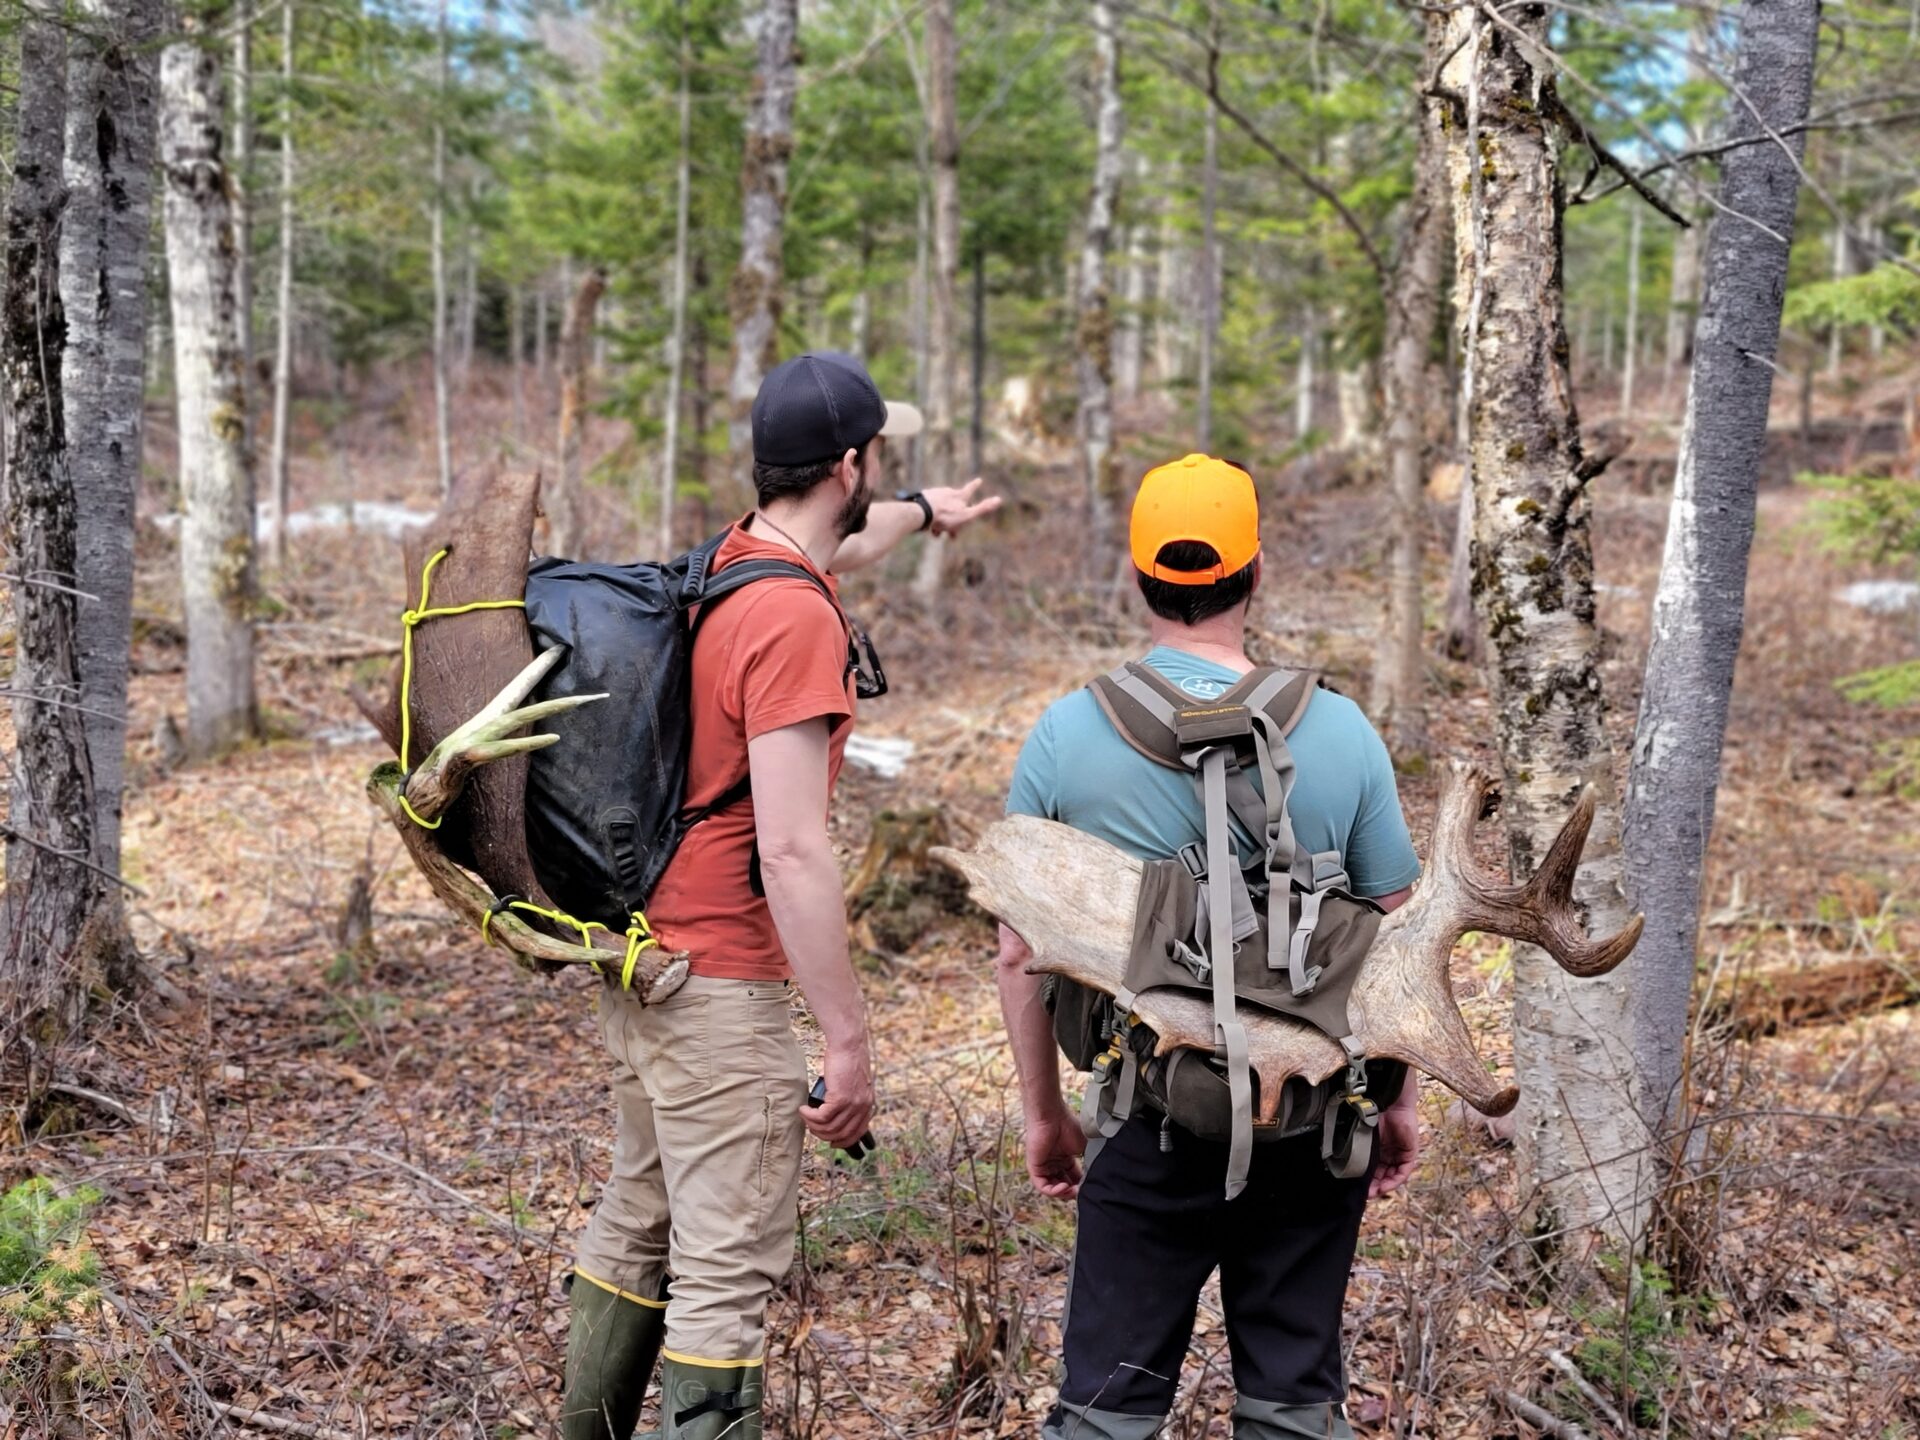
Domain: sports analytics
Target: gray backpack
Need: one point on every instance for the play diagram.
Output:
(1299, 960)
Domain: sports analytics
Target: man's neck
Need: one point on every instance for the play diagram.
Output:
(1221, 639)
(807, 526)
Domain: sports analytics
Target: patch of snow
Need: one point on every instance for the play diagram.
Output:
(376, 516)
(1882, 597)
(885, 757)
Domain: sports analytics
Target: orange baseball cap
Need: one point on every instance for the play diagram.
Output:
(1196, 498)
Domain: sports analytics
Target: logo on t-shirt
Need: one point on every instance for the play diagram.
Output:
(1201, 688)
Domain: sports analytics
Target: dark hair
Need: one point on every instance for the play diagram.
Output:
(1190, 604)
(790, 482)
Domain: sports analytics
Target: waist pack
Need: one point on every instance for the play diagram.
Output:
(606, 804)
(1289, 934)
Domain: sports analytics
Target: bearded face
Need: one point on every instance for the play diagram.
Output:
(852, 518)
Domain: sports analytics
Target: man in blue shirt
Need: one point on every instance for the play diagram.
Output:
(1153, 1218)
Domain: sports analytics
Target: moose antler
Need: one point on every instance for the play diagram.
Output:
(1071, 897)
(436, 783)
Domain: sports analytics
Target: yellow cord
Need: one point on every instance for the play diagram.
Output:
(409, 619)
(640, 937)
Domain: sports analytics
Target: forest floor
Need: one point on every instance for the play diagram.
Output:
(345, 1178)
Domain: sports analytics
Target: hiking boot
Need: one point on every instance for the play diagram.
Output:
(612, 1342)
(706, 1402)
(1263, 1420)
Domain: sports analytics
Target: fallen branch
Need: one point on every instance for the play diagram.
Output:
(260, 1420)
(1562, 1362)
(1525, 1409)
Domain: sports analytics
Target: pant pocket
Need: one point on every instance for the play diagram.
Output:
(677, 1048)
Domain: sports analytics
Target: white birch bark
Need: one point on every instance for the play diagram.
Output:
(437, 242)
(1579, 1140)
(677, 333)
(240, 180)
(283, 308)
(1209, 265)
(757, 283)
(50, 898)
(216, 476)
(943, 329)
(1699, 603)
(104, 238)
(1093, 306)
(1303, 376)
(1633, 315)
(1133, 310)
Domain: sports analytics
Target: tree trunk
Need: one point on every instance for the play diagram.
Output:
(1413, 308)
(1127, 358)
(1683, 303)
(977, 389)
(564, 506)
(216, 472)
(442, 423)
(240, 180)
(677, 335)
(701, 399)
(517, 345)
(283, 310)
(1462, 638)
(1094, 323)
(1169, 358)
(943, 329)
(1578, 1138)
(757, 297)
(51, 895)
(1303, 378)
(1209, 276)
(1632, 348)
(469, 299)
(1699, 604)
(540, 323)
(104, 235)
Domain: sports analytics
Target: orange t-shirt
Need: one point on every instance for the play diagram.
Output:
(770, 655)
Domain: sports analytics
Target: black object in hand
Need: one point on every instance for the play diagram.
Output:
(860, 1148)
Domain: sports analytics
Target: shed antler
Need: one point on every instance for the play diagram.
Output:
(1403, 1007)
(1071, 897)
(435, 784)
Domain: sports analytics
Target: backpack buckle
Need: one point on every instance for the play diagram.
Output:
(1197, 964)
(1194, 857)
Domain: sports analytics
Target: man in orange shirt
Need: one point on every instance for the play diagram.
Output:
(711, 1082)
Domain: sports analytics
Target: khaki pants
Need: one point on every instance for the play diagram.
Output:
(706, 1162)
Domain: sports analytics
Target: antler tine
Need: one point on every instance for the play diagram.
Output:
(1541, 909)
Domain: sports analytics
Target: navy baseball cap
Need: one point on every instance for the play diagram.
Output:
(820, 405)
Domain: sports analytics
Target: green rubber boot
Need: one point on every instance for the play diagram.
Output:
(612, 1343)
(706, 1402)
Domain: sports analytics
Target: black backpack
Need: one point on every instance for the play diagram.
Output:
(606, 805)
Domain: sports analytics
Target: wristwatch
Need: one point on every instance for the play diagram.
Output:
(926, 506)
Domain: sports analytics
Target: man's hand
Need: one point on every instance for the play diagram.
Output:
(955, 508)
(1398, 1136)
(843, 1117)
(1054, 1148)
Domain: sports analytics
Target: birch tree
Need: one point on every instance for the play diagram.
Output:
(563, 504)
(1209, 267)
(1093, 329)
(1413, 309)
(943, 329)
(437, 243)
(51, 889)
(757, 290)
(216, 475)
(677, 335)
(1631, 350)
(283, 307)
(1577, 1133)
(1699, 605)
(104, 236)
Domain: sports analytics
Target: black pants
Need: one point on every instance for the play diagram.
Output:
(1153, 1227)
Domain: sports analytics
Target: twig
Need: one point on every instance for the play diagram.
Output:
(1564, 1364)
(263, 1421)
(145, 1326)
(8, 832)
(1526, 1410)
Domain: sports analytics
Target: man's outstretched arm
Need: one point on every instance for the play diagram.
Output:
(891, 521)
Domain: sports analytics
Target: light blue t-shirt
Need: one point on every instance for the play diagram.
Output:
(1076, 769)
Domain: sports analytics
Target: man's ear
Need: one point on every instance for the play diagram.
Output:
(849, 470)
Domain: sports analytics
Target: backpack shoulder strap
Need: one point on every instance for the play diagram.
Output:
(1141, 706)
